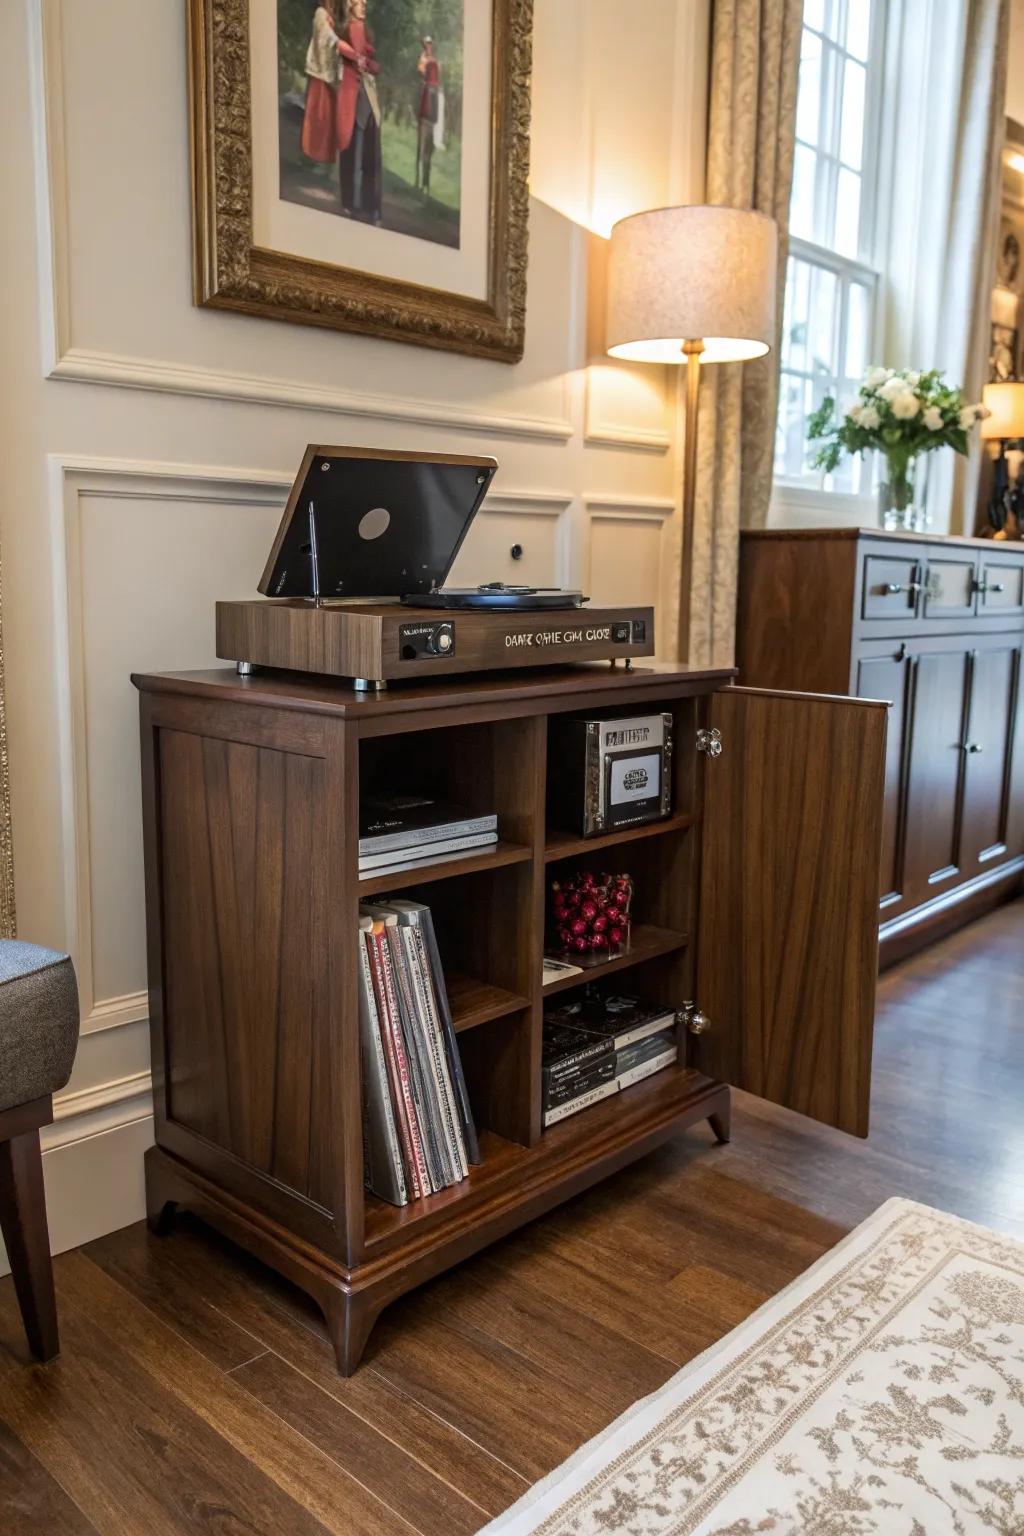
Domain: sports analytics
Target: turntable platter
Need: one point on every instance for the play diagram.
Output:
(495, 594)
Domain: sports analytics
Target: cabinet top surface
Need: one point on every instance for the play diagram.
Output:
(563, 686)
(889, 535)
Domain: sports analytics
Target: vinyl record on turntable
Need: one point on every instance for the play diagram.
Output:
(496, 595)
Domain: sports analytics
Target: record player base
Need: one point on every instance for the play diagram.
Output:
(575, 1155)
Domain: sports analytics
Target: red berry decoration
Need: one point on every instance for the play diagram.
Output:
(589, 914)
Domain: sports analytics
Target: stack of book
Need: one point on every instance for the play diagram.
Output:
(418, 1131)
(398, 832)
(595, 1046)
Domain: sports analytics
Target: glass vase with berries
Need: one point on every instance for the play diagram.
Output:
(589, 916)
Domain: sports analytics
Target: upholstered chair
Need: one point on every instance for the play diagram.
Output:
(38, 1039)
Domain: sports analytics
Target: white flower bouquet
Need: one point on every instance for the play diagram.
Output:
(900, 415)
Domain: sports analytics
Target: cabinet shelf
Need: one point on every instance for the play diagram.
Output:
(498, 856)
(567, 845)
(648, 942)
(474, 1002)
(511, 1175)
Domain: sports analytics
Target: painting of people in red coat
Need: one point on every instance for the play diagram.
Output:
(370, 112)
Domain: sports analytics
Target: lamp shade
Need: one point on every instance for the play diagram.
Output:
(695, 273)
(1006, 403)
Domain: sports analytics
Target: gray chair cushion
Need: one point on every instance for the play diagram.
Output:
(38, 1022)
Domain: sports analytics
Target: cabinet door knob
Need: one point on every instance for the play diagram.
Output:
(698, 1023)
(898, 586)
(710, 742)
(973, 746)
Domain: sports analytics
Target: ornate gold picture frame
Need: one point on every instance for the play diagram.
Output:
(243, 59)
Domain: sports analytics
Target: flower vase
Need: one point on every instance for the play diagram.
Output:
(902, 495)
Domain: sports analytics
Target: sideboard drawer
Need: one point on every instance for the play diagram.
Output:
(1001, 586)
(949, 589)
(892, 586)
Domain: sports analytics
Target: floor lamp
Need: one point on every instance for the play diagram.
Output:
(694, 285)
(1004, 424)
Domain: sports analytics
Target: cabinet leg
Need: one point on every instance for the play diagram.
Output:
(160, 1203)
(721, 1121)
(23, 1222)
(350, 1317)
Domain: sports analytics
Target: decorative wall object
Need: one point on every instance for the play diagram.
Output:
(362, 164)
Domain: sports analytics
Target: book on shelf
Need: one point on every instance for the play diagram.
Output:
(594, 1046)
(557, 970)
(390, 822)
(382, 1151)
(423, 853)
(424, 1123)
(620, 1020)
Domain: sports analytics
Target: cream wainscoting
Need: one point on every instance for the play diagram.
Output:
(128, 412)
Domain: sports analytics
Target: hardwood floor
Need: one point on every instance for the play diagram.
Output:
(197, 1393)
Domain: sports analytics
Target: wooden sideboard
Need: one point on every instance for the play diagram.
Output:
(751, 899)
(935, 626)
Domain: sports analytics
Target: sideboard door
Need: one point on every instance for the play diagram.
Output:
(787, 932)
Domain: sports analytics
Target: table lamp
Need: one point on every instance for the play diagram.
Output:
(1003, 424)
(692, 285)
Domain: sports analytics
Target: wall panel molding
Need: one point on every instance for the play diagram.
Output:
(121, 372)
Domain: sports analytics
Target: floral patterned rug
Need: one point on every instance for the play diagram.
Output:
(883, 1391)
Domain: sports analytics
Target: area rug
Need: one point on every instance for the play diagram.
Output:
(883, 1391)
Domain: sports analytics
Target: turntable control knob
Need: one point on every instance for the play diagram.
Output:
(442, 641)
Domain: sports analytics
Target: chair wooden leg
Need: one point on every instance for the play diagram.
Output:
(23, 1222)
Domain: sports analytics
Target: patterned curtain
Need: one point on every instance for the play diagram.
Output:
(755, 63)
(7, 919)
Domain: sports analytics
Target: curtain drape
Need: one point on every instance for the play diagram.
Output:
(946, 86)
(7, 918)
(755, 61)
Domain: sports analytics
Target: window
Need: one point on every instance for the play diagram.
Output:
(829, 311)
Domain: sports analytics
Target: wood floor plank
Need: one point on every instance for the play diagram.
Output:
(496, 1296)
(32, 1503)
(428, 1504)
(316, 1486)
(273, 1316)
(497, 1398)
(126, 1450)
(152, 1272)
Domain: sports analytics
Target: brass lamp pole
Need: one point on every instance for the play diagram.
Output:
(694, 284)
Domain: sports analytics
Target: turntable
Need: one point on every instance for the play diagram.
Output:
(355, 588)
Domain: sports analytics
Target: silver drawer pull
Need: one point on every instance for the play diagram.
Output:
(896, 586)
(971, 746)
(989, 586)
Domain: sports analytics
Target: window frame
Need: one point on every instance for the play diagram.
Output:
(863, 268)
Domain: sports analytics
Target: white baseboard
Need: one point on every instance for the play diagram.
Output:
(92, 1161)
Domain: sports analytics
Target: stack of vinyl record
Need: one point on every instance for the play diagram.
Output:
(398, 832)
(595, 1046)
(418, 1131)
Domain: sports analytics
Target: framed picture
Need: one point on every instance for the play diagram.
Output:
(362, 164)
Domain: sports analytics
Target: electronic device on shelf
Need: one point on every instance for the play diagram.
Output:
(354, 584)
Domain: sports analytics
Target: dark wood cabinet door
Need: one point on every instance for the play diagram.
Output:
(883, 672)
(787, 942)
(940, 676)
(994, 672)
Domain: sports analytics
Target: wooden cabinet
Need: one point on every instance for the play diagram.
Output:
(934, 626)
(751, 899)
